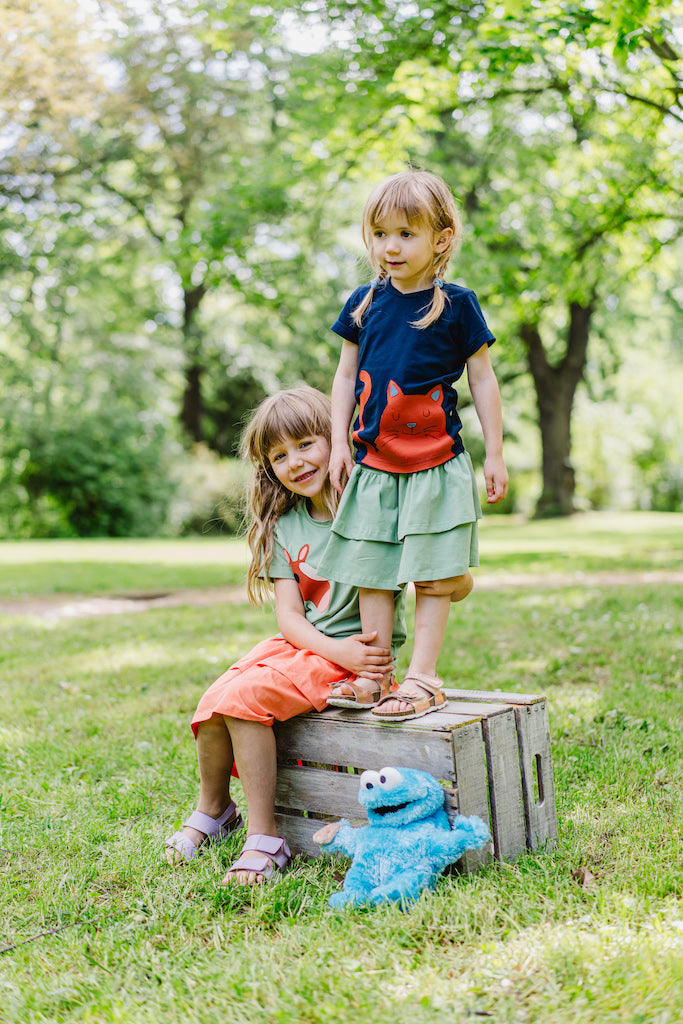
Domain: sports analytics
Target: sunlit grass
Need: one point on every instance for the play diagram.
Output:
(119, 566)
(97, 765)
(617, 542)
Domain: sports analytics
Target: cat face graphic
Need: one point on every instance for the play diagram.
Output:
(413, 430)
(412, 415)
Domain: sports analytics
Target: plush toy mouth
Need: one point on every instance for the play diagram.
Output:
(389, 809)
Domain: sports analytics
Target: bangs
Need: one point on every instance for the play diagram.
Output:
(297, 413)
(401, 197)
(422, 198)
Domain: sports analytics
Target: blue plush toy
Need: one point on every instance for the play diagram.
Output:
(408, 840)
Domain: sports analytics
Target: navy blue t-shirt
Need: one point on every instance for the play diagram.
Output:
(407, 405)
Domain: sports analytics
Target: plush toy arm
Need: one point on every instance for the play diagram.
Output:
(465, 834)
(469, 833)
(338, 837)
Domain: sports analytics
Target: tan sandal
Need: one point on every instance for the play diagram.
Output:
(430, 699)
(365, 693)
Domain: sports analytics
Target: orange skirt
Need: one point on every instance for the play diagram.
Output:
(274, 681)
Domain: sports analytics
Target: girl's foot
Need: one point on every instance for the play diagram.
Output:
(417, 695)
(359, 694)
(199, 830)
(261, 856)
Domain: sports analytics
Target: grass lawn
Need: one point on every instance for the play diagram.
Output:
(97, 766)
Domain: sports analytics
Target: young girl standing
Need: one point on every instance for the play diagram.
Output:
(409, 511)
(320, 644)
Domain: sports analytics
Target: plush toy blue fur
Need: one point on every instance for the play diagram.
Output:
(408, 840)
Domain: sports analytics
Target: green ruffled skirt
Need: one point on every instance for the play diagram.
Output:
(395, 528)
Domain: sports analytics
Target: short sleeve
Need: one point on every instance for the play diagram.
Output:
(279, 568)
(345, 326)
(472, 327)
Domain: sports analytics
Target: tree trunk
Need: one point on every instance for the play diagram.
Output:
(555, 390)
(192, 411)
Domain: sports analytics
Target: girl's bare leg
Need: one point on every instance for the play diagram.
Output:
(432, 605)
(376, 613)
(254, 749)
(215, 758)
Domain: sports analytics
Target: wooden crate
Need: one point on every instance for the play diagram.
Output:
(491, 750)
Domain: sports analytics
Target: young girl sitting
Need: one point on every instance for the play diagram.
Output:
(320, 644)
(409, 512)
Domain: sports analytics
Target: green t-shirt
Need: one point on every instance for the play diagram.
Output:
(331, 607)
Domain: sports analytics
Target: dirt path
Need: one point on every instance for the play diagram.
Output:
(66, 606)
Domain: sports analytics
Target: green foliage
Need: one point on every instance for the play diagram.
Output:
(104, 473)
(210, 494)
(229, 398)
(197, 207)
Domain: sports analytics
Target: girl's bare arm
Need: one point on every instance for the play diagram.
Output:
(486, 398)
(353, 653)
(343, 406)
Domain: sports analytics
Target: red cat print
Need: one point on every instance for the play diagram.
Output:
(412, 430)
(313, 587)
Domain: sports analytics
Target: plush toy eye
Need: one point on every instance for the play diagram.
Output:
(369, 780)
(390, 777)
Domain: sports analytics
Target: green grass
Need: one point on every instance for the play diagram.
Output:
(97, 765)
(35, 567)
(604, 542)
(592, 542)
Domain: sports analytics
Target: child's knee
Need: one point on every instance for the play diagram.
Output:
(456, 587)
(463, 586)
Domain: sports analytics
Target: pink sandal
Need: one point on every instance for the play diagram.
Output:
(277, 855)
(215, 830)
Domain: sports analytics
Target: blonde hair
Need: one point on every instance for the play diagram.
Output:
(296, 413)
(425, 200)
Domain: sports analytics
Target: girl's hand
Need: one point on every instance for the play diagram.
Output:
(341, 464)
(496, 476)
(355, 654)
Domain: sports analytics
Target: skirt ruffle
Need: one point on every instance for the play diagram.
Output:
(391, 529)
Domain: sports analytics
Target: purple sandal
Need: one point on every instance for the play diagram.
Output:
(277, 855)
(215, 830)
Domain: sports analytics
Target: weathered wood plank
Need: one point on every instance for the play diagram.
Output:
(471, 790)
(299, 832)
(538, 787)
(493, 696)
(318, 791)
(365, 746)
(449, 716)
(505, 785)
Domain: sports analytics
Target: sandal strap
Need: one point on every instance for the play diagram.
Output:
(216, 828)
(273, 846)
(277, 855)
(397, 696)
(361, 691)
(430, 683)
(183, 845)
(257, 865)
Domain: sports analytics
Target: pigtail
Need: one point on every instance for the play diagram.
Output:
(357, 313)
(435, 308)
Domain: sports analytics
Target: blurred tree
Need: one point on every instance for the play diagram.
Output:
(175, 219)
(558, 126)
(185, 140)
